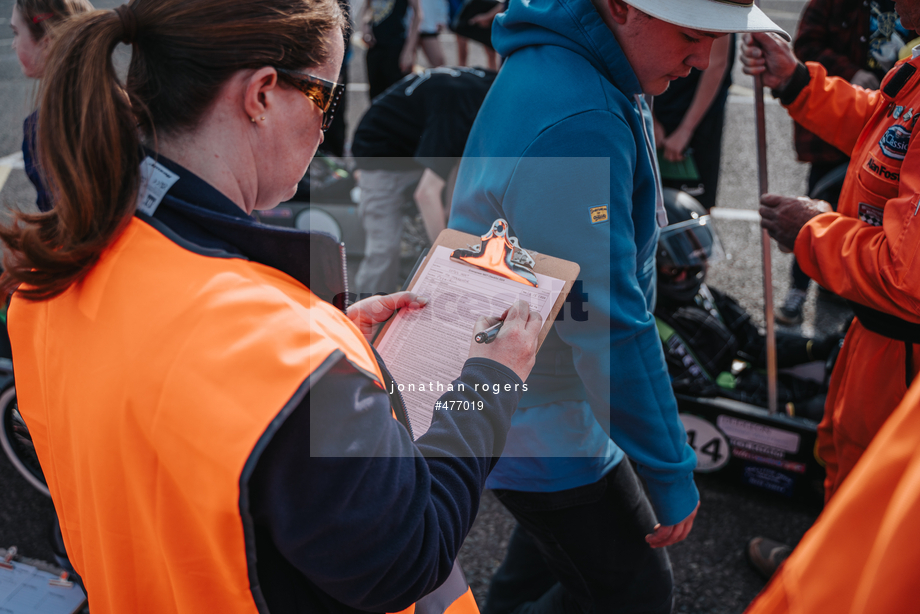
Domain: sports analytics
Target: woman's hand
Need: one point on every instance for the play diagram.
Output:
(516, 343)
(368, 314)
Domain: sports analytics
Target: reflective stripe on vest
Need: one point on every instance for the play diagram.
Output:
(157, 415)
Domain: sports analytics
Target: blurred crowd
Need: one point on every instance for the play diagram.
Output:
(595, 131)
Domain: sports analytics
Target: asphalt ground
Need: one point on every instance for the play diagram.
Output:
(710, 570)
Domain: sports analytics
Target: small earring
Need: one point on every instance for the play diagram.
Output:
(252, 119)
(262, 118)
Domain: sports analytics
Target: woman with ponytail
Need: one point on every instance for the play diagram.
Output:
(33, 23)
(213, 426)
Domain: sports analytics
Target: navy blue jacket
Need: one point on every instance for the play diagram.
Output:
(350, 514)
(29, 129)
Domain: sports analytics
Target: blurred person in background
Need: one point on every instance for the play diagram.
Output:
(390, 42)
(407, 148)
(689, 118)
(33, 23)
(434, 20)
(480, 21)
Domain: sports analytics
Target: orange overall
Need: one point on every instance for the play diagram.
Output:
(865, 252)
(150, 395)
(861, 556)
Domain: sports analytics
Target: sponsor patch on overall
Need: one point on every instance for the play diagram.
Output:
(881, 170)
(894, 142)
(598, 214)
(871, 214)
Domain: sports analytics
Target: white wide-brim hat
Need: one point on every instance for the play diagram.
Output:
(711, 15)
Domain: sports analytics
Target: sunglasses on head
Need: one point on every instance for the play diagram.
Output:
(325, 94)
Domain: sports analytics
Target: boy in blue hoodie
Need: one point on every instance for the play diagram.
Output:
(563, 148)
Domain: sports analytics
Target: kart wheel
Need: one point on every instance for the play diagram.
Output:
(17, 443)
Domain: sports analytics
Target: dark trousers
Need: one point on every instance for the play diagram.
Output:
(706, 144)
(382, 68)
(582, 550)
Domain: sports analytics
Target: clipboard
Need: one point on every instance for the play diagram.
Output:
(564, 270)
(464, 276)
(678, 171)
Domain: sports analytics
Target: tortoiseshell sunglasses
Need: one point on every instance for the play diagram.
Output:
(325, 94)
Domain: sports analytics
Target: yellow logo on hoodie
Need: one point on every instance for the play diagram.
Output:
(598, 214)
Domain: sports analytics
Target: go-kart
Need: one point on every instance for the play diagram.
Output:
(748, 445)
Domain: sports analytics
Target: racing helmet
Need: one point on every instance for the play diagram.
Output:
(685, 248)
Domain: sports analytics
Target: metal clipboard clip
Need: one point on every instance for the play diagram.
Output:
(499, 254)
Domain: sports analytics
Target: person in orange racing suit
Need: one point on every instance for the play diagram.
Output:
(865, 251)
(856, 558)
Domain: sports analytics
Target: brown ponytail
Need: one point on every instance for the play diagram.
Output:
(90, 125)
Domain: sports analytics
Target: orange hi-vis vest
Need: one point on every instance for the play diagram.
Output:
(150, 389)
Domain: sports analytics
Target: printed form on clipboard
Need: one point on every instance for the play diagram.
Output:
(464, 277)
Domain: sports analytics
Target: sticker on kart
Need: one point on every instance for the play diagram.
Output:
(756, 434)
(709, 443)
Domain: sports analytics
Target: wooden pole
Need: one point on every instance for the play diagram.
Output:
(765, 241)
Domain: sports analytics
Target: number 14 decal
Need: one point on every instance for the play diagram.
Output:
(711, 446)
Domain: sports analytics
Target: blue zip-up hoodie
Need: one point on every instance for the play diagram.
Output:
(562, 149)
